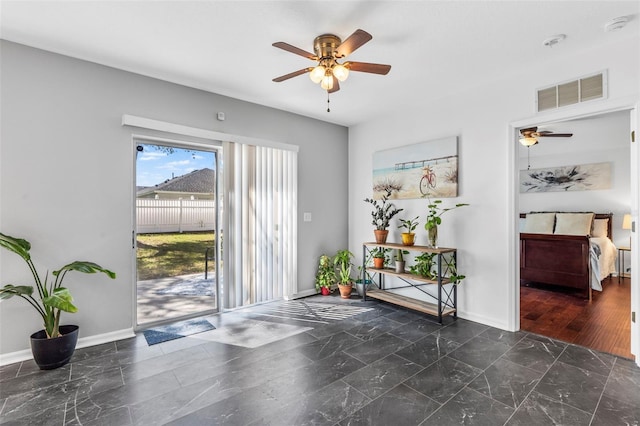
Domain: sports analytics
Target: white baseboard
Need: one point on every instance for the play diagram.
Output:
(305, 293)
(19, 356)
(481, 319)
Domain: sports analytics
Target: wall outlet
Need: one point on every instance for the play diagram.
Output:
(306, 217)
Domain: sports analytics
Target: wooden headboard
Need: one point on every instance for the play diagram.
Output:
(597, 216)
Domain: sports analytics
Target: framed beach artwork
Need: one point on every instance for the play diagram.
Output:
(584, 177)
(427, 169)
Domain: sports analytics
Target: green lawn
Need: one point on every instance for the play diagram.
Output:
(168, 255)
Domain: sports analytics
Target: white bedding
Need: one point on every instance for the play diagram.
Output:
(603, 260)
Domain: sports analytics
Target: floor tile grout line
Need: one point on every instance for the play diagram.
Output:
(555, 361)
(604, 388)
(534, 388)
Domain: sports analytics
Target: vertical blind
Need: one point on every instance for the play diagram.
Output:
(260, 224)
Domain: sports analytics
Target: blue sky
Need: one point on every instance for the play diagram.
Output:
(154, 166)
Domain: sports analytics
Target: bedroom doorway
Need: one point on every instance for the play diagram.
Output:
(603, 324)
(176, 214)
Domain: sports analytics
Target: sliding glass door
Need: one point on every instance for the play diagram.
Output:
(176, 239)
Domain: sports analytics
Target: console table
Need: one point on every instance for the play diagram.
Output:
(446, 300)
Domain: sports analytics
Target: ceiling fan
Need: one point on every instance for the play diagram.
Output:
(529, 136)
(328, 49)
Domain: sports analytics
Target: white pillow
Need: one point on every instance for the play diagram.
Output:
(600, 228)
(573, 223)
(539, 223)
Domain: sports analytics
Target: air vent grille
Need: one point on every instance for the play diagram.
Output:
(572, 92)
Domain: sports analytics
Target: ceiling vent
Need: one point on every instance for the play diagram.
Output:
(572, 92)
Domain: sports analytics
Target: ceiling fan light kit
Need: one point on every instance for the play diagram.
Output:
(528, 141)
(328, 49)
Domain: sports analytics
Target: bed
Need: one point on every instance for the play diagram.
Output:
(567, 249)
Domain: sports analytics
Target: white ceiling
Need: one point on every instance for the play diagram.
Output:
(435, 47)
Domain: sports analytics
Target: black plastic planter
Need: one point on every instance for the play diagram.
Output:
(54, 353)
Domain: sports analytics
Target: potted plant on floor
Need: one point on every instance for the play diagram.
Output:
(362, 280)
(383, 211)
(343, 263)
(53, 346)
(325, 276)
(408, 237)
(433, 219)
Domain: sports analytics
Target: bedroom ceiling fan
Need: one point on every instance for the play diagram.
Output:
(329, 48)
(529, 136)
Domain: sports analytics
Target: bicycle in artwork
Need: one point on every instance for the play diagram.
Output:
(428, 181)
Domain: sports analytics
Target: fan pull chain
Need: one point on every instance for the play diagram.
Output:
(528, 159)
(328, 109)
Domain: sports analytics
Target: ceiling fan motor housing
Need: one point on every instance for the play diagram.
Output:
(325, 46)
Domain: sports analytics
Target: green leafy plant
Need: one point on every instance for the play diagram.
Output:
(435, 211)
(454, 277)
(343, 263)
(423, 266)
(383, 211)
(380, 253)
(400, 255)
(326, 274)
(52, 298)
(409, 224)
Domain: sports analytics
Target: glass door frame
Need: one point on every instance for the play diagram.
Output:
(186, 142)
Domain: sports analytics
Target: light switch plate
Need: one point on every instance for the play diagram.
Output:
(306, 217)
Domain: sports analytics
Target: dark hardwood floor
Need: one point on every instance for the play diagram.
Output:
(602, 324)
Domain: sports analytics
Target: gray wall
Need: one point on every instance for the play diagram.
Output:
(66, 176)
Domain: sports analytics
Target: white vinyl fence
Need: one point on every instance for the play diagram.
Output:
(156, 216)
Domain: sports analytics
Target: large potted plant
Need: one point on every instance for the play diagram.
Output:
(325, 275)
(53, 346)
(343, 264)
(434, 213)
(383, 211)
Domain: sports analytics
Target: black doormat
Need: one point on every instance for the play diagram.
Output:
(176, 331)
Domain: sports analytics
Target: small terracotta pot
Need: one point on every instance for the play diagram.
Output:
(378, 262)
(345, 290)
(381, 235)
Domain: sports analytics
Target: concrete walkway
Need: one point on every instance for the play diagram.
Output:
(173, 297)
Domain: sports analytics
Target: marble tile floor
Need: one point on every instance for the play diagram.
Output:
(376, 365)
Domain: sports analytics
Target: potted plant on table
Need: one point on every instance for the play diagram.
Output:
(408, 237)
(325, 276)
(400, 263)
(380, 258)
(343, 263)
(383, 211)
(53, 346)
(424, 266)
(434, 219)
